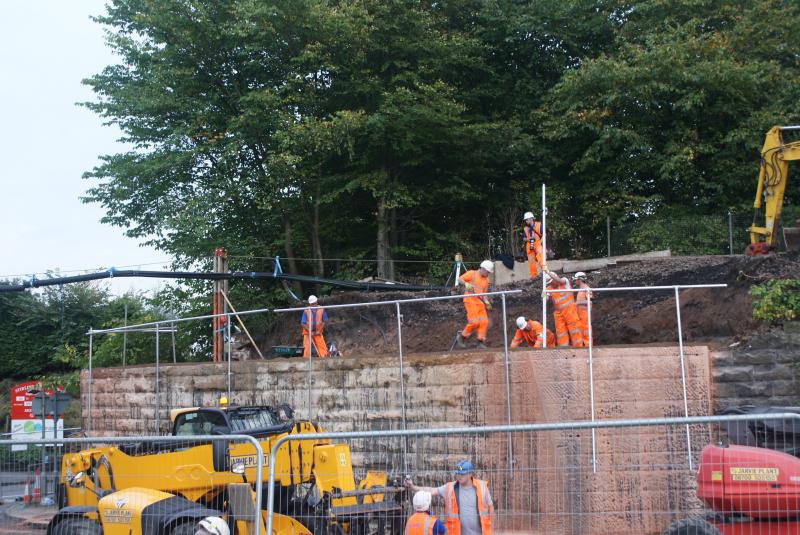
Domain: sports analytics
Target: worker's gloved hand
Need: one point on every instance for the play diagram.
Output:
(488, 304)
(467, 286)
(544, 267)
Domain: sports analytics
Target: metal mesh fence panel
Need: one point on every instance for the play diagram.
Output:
(548, 479)
(130, 485)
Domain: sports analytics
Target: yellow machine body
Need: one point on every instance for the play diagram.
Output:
(772, 177)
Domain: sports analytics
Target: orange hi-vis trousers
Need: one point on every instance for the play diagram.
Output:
(535, 260)
(583, 317)
(319, 344)
(477, 319)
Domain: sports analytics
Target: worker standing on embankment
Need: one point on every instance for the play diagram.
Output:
(533, 244)
(565, 316)
(312, 321)
(582, 303)
(476, 281)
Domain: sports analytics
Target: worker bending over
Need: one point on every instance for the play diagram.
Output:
(476, 281)
(533, 232)
(422, 522)
(568, 323)
(312, 321)
(583, 303)
(530, 332)
(468, 503)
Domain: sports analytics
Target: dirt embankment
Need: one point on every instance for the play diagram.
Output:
(627, 317)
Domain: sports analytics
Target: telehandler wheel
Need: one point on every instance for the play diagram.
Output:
(691, 526)
(186, 528)
(77, 526)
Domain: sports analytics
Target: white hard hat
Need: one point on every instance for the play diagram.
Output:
(422, 500)
(214, 525)
(488, 265)
(547, 279)
(579, 276)
(312, 299)
(521, 323)
(528, 215)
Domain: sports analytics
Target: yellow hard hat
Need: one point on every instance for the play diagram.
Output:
(223, 400)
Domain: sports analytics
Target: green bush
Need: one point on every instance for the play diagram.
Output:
(776, 301)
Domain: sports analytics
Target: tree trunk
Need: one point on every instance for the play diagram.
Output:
(289, 250)
(316, 242)
(385, 264)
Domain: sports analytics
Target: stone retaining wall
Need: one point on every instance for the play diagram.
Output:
(552, 487)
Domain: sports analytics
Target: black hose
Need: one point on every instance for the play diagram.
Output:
(196, 275)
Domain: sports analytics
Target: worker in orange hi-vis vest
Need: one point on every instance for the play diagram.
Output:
(422, 522)
(530, 332)
(468, 504)
(312, 321)
(568, 323)
(476, 281)
(582, 303)
(533, 232)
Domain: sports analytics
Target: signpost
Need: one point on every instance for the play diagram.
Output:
(29, 420)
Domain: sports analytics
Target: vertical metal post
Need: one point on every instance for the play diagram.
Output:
(683, 374)
(230, 373)
(730, 233)
(608, 235)
(172, 325)
(591, 377)
(459, 260)
(125, 337)
(89, 400)
(544, 259)
(508, 387)
(309, 319)
(402, 383)
(158, 383)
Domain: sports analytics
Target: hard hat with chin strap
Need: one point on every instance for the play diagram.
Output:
(488, 265)
(521, 322)
(579, 276)
(528, 215)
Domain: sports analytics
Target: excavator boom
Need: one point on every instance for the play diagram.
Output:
(772, 177)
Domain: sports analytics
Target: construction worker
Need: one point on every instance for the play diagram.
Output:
(533, 231)
(530, 332)
(582, 303)
(422, 522)
(568, 323)
(467, 502)
(476, 281)
(212, 525)
(312, 321)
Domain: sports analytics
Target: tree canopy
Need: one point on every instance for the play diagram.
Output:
(387, 130)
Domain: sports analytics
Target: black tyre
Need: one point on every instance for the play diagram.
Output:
(186, 528)
(691, 526)
(77, 526)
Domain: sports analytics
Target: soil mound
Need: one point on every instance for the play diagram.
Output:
(714, 316)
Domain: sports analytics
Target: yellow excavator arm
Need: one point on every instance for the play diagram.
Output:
(772, 176)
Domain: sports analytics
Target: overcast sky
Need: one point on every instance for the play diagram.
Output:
(47, 142)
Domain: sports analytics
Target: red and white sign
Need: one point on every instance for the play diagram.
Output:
(22, 401)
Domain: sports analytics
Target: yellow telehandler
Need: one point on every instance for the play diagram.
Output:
(315, 490)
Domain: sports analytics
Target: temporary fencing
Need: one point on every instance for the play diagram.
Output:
(640, 480)
(194, 476)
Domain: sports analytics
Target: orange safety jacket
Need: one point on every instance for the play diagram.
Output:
(420, 524)
(581, 299)
(452, 522)
(561, 300)
(479, 285)
(314, 322)
(534, 336)
(533, 236)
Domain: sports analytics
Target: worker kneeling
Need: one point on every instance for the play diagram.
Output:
(422, 522)
(530, 332)
(312, 321)
(476, 281)
(568, 323)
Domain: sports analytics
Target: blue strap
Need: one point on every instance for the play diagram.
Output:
(111, 271)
